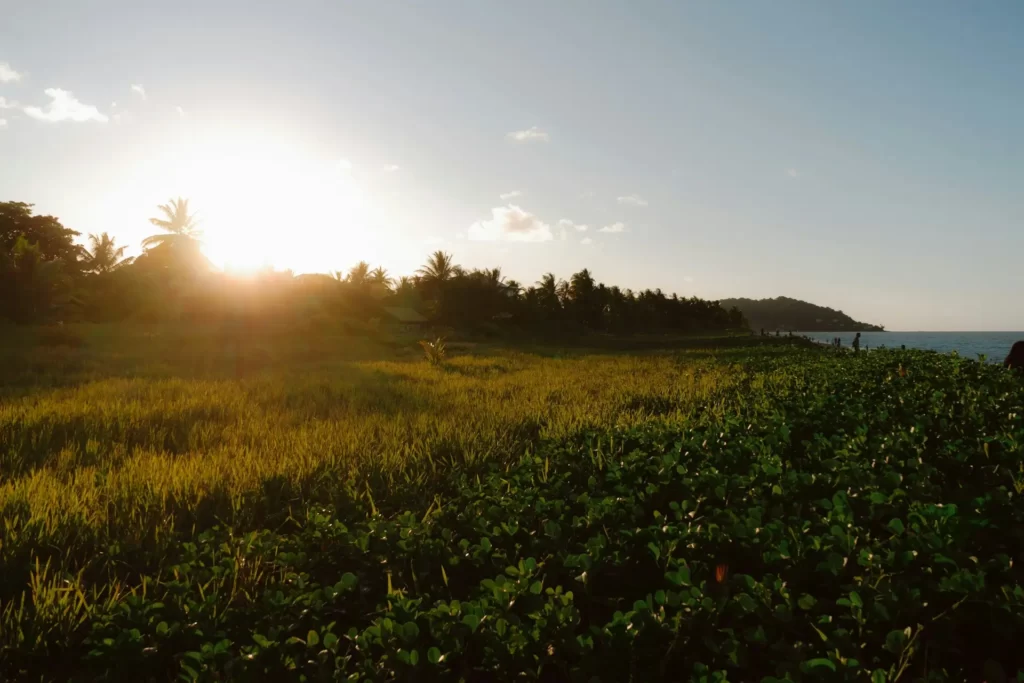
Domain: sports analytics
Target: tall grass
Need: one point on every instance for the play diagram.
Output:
(147, 432)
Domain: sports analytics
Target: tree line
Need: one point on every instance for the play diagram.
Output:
(45, 276)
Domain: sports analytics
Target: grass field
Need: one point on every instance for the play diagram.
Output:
(280, 504)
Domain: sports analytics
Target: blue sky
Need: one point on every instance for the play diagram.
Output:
(867, 156)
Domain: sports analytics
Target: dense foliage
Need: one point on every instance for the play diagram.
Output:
(800, 516)
(784, 313)
(45, 276)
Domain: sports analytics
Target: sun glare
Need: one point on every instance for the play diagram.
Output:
(269, 206)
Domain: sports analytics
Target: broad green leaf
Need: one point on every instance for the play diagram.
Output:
(820, 662)
(894, 641)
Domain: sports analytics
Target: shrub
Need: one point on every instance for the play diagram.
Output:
(434, 350)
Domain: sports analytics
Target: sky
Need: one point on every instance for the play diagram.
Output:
(867, 156)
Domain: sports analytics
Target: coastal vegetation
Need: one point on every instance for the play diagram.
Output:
(337, 507)
(52, 278)
(205, 477)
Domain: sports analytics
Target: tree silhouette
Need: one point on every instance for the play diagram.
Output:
(379, 276)
(359, 274)
(40, 261)
(41, 283)
(53, 239)
(405, 285)
(439, 268)
(181, 226)
(105, 257)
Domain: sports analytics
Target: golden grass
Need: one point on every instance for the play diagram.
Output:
(118, 448)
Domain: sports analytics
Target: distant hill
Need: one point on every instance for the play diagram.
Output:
(783, 313)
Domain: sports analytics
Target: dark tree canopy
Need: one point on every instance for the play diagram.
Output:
(53, 239)
(46, 276)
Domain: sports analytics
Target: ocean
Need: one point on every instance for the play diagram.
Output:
(993, 345)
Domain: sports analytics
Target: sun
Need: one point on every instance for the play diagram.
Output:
(269, 205)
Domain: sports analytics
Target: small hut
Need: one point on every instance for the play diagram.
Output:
(404, 318)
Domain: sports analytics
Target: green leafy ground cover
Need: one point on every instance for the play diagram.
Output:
(763, 514)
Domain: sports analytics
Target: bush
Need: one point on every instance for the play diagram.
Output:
(434, 350)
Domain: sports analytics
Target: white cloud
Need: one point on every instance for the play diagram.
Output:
(532, 134)
(139, 90)
(632, 200)
(792, 172)
(566, 223)
(8, 74)
(614, 227)
(586, 240)
(3, 123)
(65, 107)
(344, 165)
(512, 224)
(505, 196)
(181, 112)
(391, 168)
(4, 104)
(687, 278)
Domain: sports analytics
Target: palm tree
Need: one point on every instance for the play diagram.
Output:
(494, 276)
(104, 257)
(581, 285)
(405, 285)
(379, 276)
(439, 268)
(181, 227)
(359, 274)
(564, 292)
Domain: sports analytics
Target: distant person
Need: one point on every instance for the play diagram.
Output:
(856, 343)
(1015, 361)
